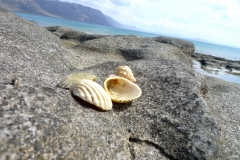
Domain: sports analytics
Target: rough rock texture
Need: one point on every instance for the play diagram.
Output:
(212, 63)
(123, 48)
(30, 52)
(65, 33)
(170, 116)
(223, 100)
(38, 120)
(186, 46)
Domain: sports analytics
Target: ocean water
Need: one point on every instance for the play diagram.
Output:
(83, 27)
(200, 47)
(226, 52)
(221, 75)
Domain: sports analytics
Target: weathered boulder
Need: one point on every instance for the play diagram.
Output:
(130, 47)
(65, 33)
(41, 121)
(30, 52)
(223, 100)
(186, 46)
(170, 116)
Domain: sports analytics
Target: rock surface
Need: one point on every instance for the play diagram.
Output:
(30, 52)
(223, 101)
(102, 48)
(186, 46)
(217, 64)
(45, 116)
(38, 120)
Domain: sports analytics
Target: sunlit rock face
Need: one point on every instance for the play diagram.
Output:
(42, 121)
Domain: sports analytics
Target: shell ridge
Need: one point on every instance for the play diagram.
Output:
(79, 90)
(100, 96)
(93, 93)
(94, 99)
(84, 93)
(103, 97)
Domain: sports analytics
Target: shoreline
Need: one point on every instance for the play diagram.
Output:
(214, 63)
(218, 67)
(231, 78)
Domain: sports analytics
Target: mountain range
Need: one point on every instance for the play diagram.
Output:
(59, 9)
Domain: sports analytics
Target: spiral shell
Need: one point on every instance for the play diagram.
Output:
(121, 90)
(91, 92)
(73, 78)
(125, 72)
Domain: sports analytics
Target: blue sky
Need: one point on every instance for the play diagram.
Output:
(216, 21)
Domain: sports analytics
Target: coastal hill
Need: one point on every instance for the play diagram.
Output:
(56, 8)
(180, 114)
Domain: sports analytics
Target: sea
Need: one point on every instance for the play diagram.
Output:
(226, 52)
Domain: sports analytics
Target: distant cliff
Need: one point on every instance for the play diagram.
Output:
(56, 8)
(119, 25)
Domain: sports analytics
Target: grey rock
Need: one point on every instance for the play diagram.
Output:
(88, 37)
(187, 47)
(64, 32)
(38, 120)
(170, 117)
(211, 63)
(130, 47)
(134, 48)
(223, 101)
(170, 111)
(30, 52)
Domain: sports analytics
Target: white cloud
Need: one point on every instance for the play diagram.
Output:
(213, 19)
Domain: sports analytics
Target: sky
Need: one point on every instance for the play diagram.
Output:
(216, 21)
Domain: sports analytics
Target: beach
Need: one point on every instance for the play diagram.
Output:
(180, 114)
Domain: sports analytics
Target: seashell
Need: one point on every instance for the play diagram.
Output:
(91, 92)
(121, 90)
(73, 78)
(125, 72)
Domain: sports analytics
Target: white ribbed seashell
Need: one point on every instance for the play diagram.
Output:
(92, 92)
(121, 90)
(125, 72)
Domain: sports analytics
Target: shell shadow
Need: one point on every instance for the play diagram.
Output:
(119, 107)
(87, 105)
